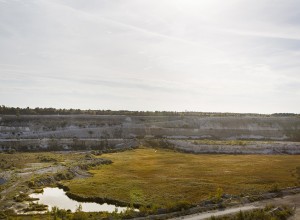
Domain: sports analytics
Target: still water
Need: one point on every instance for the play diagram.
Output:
(57, 197)
(2, 180)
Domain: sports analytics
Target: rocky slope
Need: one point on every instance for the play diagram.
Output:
(100, 131)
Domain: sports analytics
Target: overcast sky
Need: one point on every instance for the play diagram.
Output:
(196, 55)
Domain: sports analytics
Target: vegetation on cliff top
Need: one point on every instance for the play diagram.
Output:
(5, 110)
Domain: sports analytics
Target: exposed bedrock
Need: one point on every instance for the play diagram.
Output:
(88, 131)
(252, 147)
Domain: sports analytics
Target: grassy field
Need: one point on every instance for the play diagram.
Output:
(25, 160)
(161, 177)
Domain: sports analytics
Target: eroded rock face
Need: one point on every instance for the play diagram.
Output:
(32, 132)
(251, 147)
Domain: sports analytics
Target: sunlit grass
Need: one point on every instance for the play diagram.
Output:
(154, 176)
(35, 160)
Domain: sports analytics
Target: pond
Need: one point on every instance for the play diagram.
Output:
(57, 197)
(2, 180)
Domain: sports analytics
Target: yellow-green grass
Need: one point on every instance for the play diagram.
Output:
(161, 177)
(21, 160)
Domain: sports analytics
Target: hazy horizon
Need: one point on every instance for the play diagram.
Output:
(165, 55)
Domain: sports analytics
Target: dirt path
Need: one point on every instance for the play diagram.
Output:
(291, 200)
(207, 215)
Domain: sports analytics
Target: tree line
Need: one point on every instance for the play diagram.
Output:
(5, 110)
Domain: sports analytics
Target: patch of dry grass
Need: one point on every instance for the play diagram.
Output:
(155, 176)
(23, 160)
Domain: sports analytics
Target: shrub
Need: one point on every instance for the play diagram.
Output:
(275, 188)
(79, 214)
(2, 215)
(35, 207)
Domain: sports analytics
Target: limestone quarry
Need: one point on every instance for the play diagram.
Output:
(226, 134)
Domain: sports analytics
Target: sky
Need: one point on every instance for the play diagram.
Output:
(147, 55)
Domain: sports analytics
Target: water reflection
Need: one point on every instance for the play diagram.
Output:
(2, 180)
(57, 197)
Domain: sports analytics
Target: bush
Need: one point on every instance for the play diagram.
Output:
(79, 214)
(21, 197)
(275, 188)
(46, 159)
(38, 190)
(59, 213)
(36, 207)
(2, 215)
(64, 176)
(31, 183)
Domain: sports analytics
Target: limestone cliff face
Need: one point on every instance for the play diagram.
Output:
(81, 132)
(111, 127)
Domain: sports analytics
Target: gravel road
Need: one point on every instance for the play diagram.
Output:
(291, 200)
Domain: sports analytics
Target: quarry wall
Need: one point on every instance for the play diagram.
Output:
(88, 131)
